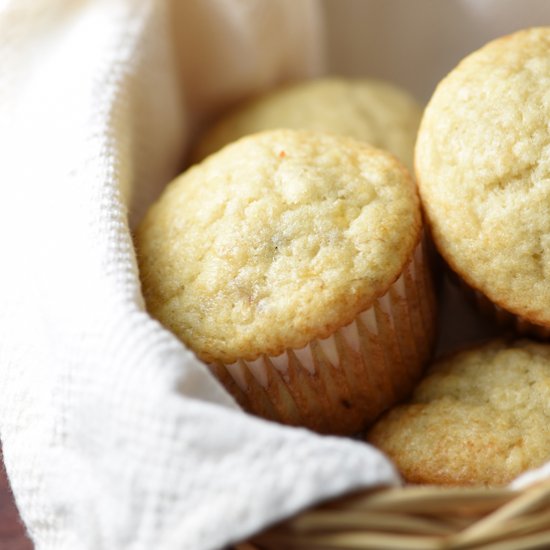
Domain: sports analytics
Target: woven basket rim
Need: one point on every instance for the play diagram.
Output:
(418, 518)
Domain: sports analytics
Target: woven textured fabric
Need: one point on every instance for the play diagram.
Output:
(115, 436)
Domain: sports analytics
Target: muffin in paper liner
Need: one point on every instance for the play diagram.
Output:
(342, 383)
(478, 418)
(482, 163)
(291, 262)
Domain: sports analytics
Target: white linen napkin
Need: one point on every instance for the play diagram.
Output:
(114, 436)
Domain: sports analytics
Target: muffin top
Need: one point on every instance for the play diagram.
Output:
(277, 239)
(376, 112)
(480, 417)
(483, 165)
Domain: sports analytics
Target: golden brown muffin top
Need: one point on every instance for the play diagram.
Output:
(483, 165)
(368, 110)
(278, 239)
(480, 417)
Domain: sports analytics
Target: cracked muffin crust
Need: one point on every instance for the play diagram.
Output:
(483, 169)
(480, 418)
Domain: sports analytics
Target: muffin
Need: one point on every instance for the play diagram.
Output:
(291, 262)
(369, 110)
(483, 166)
(479, 418)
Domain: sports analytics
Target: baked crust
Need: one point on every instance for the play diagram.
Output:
(369, 110)
(278, 239)
(479, 418)
(482, 160)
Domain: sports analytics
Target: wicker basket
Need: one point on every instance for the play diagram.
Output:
(418, 518)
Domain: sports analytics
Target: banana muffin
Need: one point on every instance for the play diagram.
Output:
(291, 262)
(479, 418)
(368, 110)
(483, 169)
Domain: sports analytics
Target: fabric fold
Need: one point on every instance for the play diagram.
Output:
(114, 435)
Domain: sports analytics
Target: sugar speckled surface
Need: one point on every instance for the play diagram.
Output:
(483, 167)
(279, 238)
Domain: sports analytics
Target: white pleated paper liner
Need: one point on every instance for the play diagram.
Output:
(340, 384)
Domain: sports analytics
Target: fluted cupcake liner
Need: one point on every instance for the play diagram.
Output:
(500, 315)
(342, 383)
